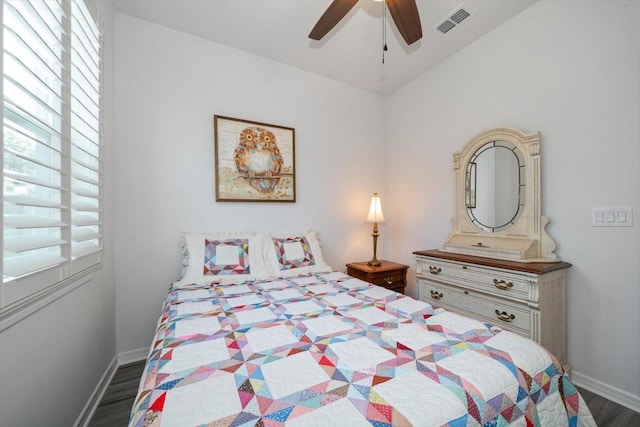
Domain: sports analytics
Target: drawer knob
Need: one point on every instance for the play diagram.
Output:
(436, 295)
(501, 284)
(434, 270)
(388, 280)
(504, 316)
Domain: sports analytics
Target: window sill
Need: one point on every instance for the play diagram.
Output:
(16, 312)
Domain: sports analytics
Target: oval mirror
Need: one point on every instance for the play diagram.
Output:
(494, 186)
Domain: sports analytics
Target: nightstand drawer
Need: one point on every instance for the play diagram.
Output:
(388, 274)
(492, 281)
(388, 279)
(511, 316)
(391, 278)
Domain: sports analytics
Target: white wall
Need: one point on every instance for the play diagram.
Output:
(168, 87)
(570, 69)
(51, 361)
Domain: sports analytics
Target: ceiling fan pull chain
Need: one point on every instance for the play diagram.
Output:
(384, 29)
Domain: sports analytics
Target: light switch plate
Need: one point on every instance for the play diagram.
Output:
(612, 217)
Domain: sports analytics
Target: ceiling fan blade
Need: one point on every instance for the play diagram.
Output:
(334, 13)
(405, 15)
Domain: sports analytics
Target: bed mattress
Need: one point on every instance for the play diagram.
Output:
(331, 350)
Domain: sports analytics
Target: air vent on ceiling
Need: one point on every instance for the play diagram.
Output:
(459, 16)
(451, 21)
(446, 26)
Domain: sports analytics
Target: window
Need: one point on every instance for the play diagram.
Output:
(52, 146)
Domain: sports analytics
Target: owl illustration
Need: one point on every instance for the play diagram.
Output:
(258, 159)
(268, 155)
(246, 145)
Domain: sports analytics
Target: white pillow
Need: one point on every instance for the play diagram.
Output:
(224, 257)
(294, 254)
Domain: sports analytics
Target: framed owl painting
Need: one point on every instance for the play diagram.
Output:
(255, 162)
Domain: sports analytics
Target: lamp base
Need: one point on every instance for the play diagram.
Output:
(374, 261)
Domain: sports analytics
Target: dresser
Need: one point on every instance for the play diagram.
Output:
(388, 274)
(527, 298)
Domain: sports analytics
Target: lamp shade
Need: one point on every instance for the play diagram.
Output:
(375, 210)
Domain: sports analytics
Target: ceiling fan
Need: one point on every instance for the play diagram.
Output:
(404, 14)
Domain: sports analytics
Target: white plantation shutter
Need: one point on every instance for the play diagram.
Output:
(86, 173)
(52, 170)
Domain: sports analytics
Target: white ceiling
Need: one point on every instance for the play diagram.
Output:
(350, 53)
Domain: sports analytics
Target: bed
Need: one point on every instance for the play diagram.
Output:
(285, 340)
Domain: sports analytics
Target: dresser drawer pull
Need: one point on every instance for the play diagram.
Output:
(388, 280)
(436, 295)
(501, 284)
(434, 270)
(504, 316)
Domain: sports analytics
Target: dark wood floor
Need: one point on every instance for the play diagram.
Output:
(608, 413)
(115, 407)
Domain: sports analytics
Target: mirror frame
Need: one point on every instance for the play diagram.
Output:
(526, 240)
(471, 180)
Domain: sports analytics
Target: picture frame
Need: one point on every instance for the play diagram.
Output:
(254, 161)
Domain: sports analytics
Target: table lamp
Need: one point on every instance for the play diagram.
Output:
(375, 216)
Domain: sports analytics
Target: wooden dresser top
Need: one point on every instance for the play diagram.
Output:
(528, 267)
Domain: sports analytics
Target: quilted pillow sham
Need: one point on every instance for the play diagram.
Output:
(225, 257)
(293, 254)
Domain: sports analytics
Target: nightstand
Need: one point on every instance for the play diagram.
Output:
(389, 274)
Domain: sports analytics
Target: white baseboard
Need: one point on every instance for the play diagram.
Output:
(94, 400)
(614, 394)
(132, 356)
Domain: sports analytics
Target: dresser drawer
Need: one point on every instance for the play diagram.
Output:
(503, 284)
(525, 298)
(500, 312)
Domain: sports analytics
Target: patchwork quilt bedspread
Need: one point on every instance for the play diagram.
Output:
(332, 350)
